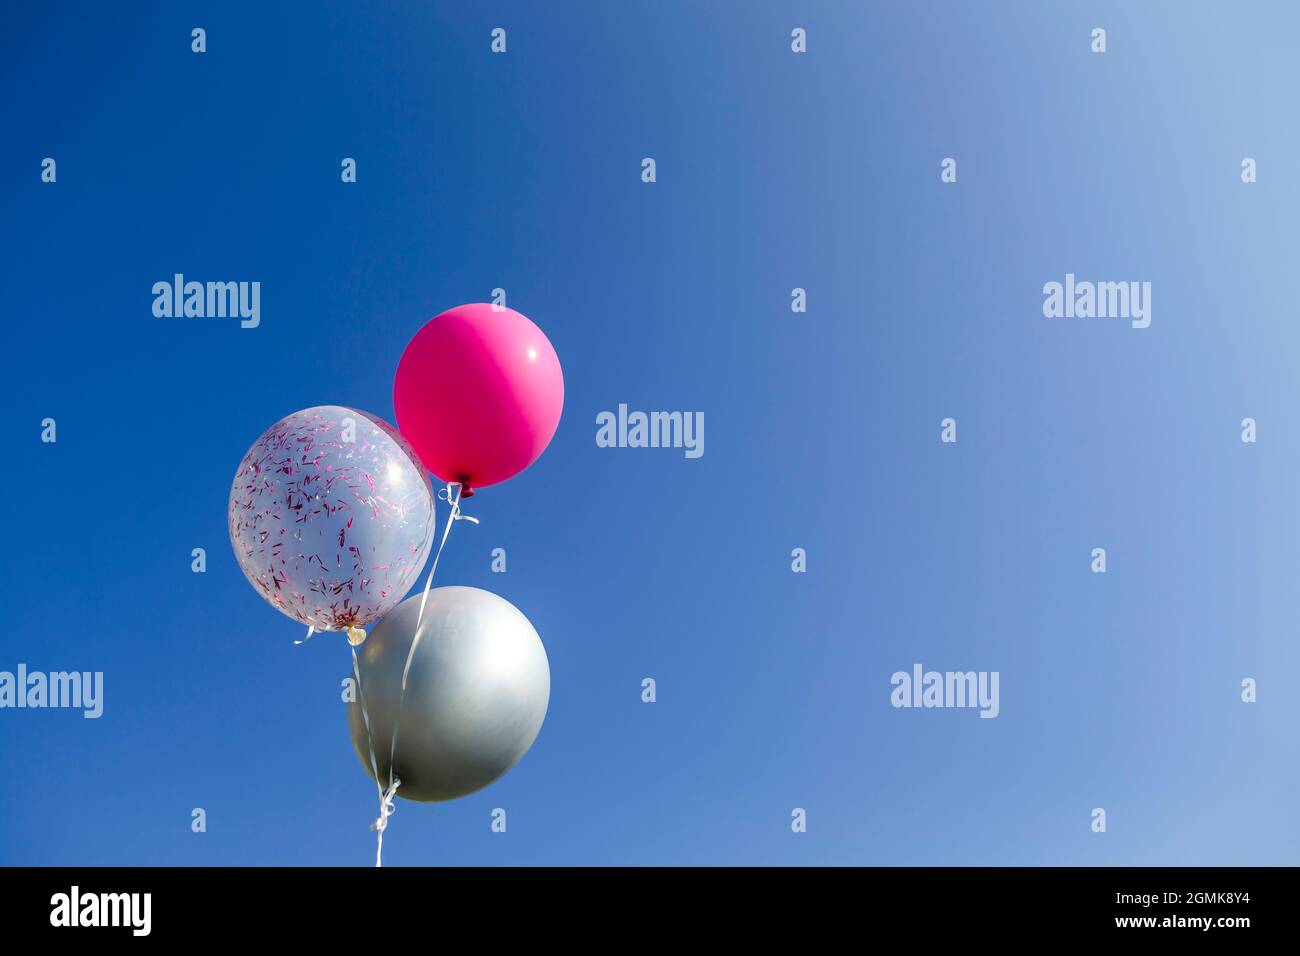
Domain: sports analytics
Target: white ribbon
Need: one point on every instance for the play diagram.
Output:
(386, 809)
(451, 495)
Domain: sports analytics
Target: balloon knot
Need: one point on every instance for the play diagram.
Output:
(356, 636)
(386, 807)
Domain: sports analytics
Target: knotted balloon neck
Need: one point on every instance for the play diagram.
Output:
(453, 494)
(356, 636)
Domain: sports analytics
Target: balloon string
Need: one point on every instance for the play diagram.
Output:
(451, 495)
(386, 807)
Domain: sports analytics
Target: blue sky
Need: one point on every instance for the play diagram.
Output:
(774, 171)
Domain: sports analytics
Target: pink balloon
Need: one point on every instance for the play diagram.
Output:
(478, 394)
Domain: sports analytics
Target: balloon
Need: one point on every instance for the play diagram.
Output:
(475, 698)
(478, 394)
(331, 517)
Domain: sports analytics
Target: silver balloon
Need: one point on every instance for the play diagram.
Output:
(475, 699)
(331, 517)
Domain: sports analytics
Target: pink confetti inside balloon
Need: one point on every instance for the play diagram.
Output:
(331, 517)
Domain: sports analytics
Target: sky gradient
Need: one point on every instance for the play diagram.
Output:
(775, 170)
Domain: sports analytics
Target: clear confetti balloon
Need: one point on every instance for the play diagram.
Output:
(331, 517)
